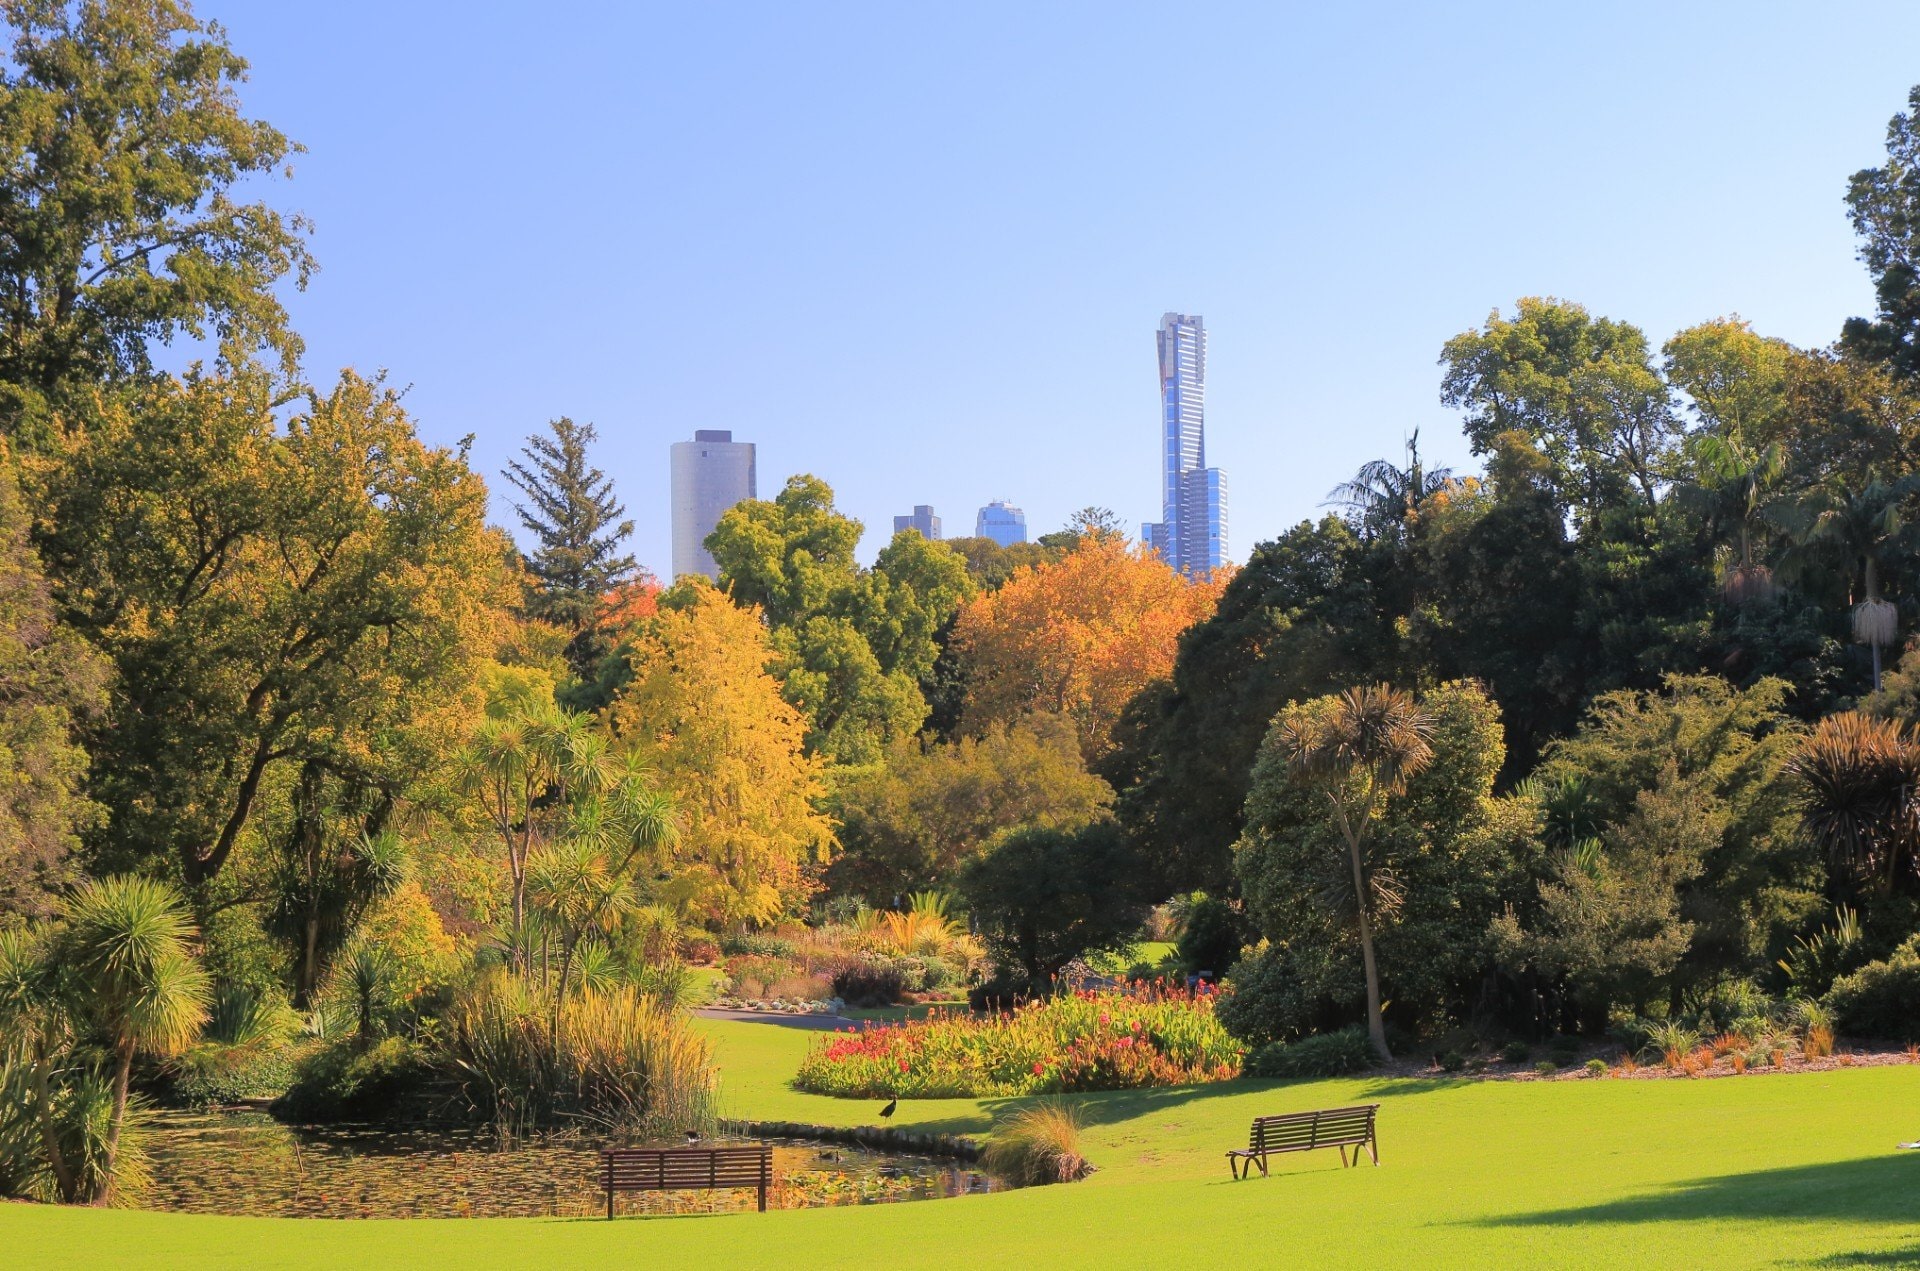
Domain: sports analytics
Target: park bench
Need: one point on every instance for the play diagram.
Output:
(645, 1169)
(1305, 1131)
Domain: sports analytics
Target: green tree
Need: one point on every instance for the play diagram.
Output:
(1864, 527)
(1884, 204)
(1358, 749)
(266, 592)
(51, 682)
(122, 145)
(911, 823)
(1043, 897)
(577, 526)
(126, 944)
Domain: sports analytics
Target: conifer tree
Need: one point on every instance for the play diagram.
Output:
(578, 523)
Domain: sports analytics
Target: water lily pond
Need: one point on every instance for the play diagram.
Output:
(248, 1163)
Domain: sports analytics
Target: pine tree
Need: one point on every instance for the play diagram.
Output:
(572, 512)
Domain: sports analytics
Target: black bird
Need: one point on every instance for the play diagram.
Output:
(889, 1109)
(693, 1136)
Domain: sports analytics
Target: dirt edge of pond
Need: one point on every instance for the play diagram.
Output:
(874, 1137)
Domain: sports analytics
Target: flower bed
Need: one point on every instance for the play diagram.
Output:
(1117, 1039)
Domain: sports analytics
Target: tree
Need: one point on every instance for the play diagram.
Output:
(267, 594)
(1079, 638)
(912, 823)
(703, 714)
(1884, 204)
(991, 564)
(126, 944)
(51, 682)
(1357, 749)
(121, 143)
(1043, 897)
(1383, 499)
(577, 527)
(1583, 389)
(850, 646)
(1864, 526)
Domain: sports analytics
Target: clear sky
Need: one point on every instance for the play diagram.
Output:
(920, 250)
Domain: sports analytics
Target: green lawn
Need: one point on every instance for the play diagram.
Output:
(1762, 1171)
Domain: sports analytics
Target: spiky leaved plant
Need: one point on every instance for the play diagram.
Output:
(127, 944)
(1358, 752)
(1859, 777)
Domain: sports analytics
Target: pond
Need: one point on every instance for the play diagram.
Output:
(248, 1163)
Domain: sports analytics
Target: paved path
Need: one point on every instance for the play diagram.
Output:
(822, 1023)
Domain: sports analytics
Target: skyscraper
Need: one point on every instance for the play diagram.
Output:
(1002, 522)
(1191, 534)
(711, 473)
(922, 519)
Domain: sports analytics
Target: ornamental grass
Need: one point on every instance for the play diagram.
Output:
(1147, 1034)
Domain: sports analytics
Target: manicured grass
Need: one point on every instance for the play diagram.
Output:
(1759, 1171)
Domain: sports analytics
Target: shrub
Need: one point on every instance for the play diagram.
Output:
(1040, 1144)
(1670, 1042)
(1213, 935)
(699, 950)
(747, 944)
(1596, 1067)
(1881, 999)
(211, 1073)
(346, 1081)
(1452, 1061)
(869, 984)
(667, 983)
(1155, 1035)
(1564, 1050)
(753, 975)
(1262, 1001)
(617, 1059)
(1515, 1053)
(1325, 1055)
(1546, 1068)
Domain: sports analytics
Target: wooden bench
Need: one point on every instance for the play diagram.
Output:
(686, 1169)
(1305, 1131)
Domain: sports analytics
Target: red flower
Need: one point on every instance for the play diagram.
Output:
(1039, 1069)
(1136, 1026)
(903, 1065)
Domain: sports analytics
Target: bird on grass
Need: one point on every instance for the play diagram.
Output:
(693, 1136)
(889, 1109)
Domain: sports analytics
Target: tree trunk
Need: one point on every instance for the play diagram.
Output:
(1376, 1026)
(122, 1075)
(50, 1133)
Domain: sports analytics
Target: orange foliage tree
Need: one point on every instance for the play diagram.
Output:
(1077, 637)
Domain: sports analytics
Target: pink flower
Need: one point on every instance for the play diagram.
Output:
(1104, 1017)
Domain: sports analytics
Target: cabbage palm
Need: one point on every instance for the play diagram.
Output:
(1865, 524)
(36, 1030)
(1859, 777)
(1359, 751)
(126, 944)
(1739, 478)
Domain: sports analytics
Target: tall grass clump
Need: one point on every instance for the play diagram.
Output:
(1038, 1144)
(617, 1060)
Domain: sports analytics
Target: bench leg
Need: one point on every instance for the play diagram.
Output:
(609, 1202)
(1343, 1157)
(1373, 1149)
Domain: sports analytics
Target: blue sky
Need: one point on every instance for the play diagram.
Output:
(920, 251)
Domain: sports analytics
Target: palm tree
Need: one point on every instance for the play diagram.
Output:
(1359, 752)
(1859, 777)
(127, 945)
(37, 1031)
(1382, 497)
(1739, 478)
(1865, 524)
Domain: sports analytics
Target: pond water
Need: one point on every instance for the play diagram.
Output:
(248, 1163)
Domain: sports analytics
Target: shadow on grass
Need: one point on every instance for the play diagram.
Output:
(1878, 1189)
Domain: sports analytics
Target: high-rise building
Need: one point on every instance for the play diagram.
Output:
(1191, 534)
(1002, 522)
(711, 473)
(922, 519)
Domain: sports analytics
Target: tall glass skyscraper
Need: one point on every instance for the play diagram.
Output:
(711, 473)
(1191, 534)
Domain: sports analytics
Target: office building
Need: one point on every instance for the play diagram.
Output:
(711, 473)
(1002, 522)
(1191, 534)
(922, 519)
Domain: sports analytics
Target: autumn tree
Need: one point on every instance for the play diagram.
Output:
(577, 525)
(704, 714)
(914, 821)
(269, 595)
(122, 149)
(1078, 638)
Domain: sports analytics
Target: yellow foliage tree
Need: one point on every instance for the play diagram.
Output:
(704, 714)
(1077, 637)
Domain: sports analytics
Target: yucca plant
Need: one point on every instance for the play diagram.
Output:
(1815, 960)
(127, 945)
